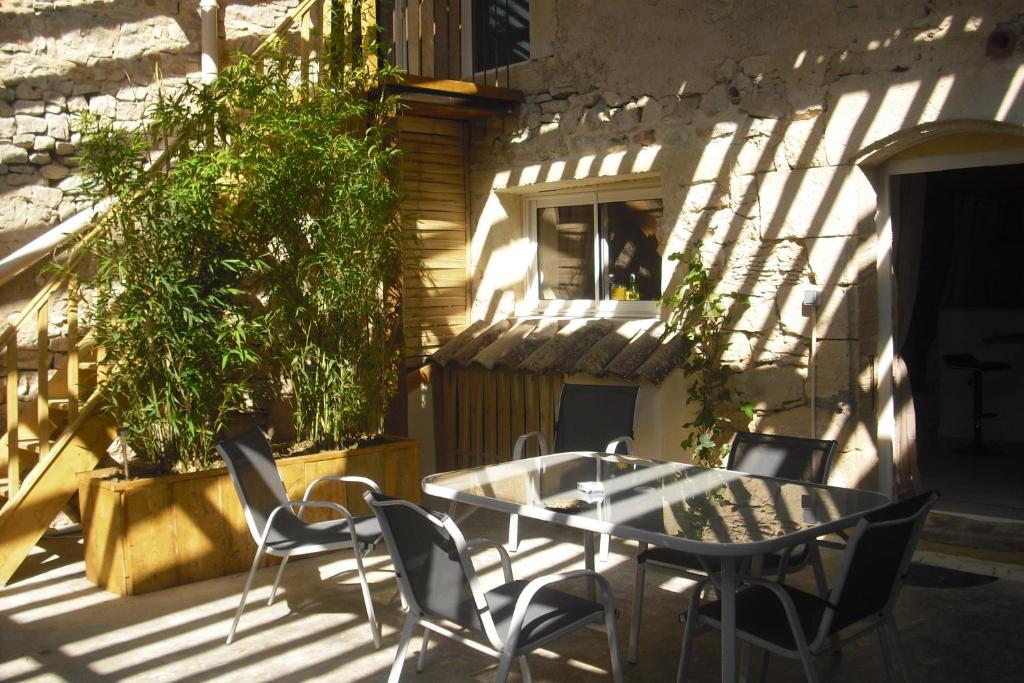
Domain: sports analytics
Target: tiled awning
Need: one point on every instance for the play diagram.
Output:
(600, 347)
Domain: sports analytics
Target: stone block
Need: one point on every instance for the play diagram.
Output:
(25, 91)
(7, 128)
(6, 110)
(7, 95)
(19, 177)
(70, 184)
(54, 171)
(29, 107)
(64, 148)
(30, 124)
(817, 202)
(24, 140)
(803, 144)
(770, 388)
(43, 143)
(39, 158)
(85, 89)
(10, 154)
(58, 126)
(77, 104)
(103, 105)
(834, 372)
(45, 196)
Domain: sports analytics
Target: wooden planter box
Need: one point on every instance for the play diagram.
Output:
(147, 534)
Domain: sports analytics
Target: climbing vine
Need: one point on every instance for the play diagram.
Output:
(702, 316)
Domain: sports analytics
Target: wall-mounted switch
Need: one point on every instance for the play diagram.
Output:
(811, 297)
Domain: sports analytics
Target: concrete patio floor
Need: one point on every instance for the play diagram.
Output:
(56, 626)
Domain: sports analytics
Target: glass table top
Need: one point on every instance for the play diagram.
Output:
(700, 510)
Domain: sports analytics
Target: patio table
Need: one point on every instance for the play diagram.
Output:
(711, 513)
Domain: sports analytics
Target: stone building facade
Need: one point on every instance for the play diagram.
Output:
(764, 128)
(59, 58)
(756, 121)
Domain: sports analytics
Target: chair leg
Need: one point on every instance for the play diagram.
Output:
(808, 661)
(245, 593)
(403, 647)
(524, 670)
(820, 579)
(513, 533)
(765, 656)
(277, 581)
(423, 650)
(613, 641)
(638, 607)
(897, 647)
(365, 586)
(602, 553)
(504, 664)
(886, 652)
(689, 632)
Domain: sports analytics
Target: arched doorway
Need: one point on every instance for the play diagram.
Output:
(950, 288)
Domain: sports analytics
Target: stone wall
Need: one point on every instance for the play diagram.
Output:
(751, 116)
(59, 58)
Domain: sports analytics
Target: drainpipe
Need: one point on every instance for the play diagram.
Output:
(208, 38)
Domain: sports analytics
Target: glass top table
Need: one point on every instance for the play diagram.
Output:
(708, 512)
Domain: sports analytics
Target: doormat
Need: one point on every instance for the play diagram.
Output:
(930, 576)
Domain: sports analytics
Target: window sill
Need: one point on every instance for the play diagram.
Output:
(585, 308)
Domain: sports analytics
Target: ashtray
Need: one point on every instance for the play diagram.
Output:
(567, 505)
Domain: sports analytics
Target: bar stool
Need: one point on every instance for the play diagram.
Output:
(978, 368)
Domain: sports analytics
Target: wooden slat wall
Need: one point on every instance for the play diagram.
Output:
(434, 214)
(483, 412)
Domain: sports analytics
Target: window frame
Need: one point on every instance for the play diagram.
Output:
(532, 303)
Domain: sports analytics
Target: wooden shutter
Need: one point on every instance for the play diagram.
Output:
(435, 281)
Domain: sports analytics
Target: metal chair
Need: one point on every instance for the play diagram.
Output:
(784, 620)
(773, 455)
(440, 585)
(591, 417)
(276, 522)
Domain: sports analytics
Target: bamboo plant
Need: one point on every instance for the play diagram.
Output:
(262, 263)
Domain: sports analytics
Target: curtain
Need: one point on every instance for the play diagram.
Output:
(908, 197)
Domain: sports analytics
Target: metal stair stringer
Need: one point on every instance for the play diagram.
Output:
(50, 484)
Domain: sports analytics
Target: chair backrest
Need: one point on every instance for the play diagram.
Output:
(591, 415)
(876, 559)
(786, 457)
(425, 548)
(250, 462)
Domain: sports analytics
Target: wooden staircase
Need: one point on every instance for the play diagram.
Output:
(55, 436)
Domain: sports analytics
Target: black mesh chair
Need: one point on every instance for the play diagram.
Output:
(771, 455)
(276, 522)
(440, 586)
(784, 620)
(591, 417)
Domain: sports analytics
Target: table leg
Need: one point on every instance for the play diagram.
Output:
(728, 595)
(589, 550)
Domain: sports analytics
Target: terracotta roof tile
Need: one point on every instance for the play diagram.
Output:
(600, 347)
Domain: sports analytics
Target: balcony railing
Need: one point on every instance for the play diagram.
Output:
(467, 40)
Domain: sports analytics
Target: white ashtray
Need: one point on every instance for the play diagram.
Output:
(590, 488)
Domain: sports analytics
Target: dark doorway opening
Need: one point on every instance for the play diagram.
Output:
(959, 244)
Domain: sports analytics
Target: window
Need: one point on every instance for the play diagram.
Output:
(501, 33)
(597, 247)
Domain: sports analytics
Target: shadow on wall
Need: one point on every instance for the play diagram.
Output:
(759, 168)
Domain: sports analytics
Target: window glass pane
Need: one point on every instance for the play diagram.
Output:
(630, 231)
(565, 252)
(501, 33)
